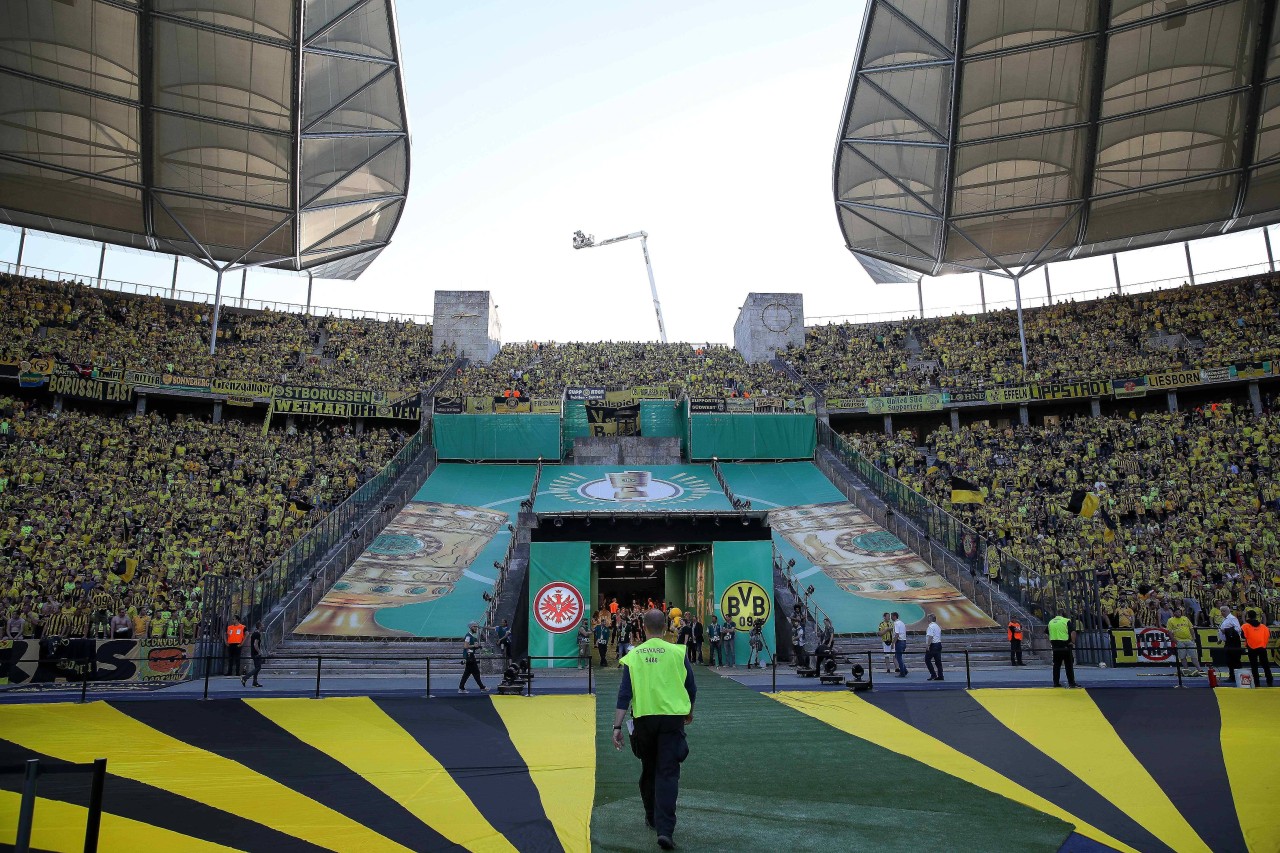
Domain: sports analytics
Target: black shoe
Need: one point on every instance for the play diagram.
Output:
(665, 842)
(244, 680)
(256, 684)
(939, 678)
(931, 678)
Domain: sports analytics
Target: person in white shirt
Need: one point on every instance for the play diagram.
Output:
(1229, 635)
(933, 649)
(899, 644)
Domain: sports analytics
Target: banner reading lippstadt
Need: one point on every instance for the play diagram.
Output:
(1070, 390)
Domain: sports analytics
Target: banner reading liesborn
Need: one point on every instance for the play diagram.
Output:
(906, 403)
(1015, 394)
(1174, 379)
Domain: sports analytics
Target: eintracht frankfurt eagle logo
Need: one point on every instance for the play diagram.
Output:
(558, 607)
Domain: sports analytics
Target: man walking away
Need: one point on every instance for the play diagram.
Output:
(1179, 627)
(899, 644)
(235, 639)
(1229, 635)
(471, 666)
(255, 653)
(1256, 638)
(698, 638)
(602, 641)
(933, 649)
(713, 635)
(658, 687)
(1015, 642)
(1062, 636)
(885, 631)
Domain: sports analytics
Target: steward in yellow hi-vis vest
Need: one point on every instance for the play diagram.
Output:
(658, 687)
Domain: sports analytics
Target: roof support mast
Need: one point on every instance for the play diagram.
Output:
(588, 241)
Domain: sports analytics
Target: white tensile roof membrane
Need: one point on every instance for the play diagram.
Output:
(269, 132)
(1005, 134)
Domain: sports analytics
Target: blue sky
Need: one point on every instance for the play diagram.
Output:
(710, 125)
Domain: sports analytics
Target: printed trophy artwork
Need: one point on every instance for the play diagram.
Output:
(418, 557)
(869, 561)
(630, 485)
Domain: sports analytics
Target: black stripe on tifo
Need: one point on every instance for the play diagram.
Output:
(956, 719)
(469, 739)
(235, 731)
(147, 804)
(1172, 737)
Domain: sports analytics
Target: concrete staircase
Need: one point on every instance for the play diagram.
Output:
(400, 659)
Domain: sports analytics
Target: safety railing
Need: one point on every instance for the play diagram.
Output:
(252, 599)
(739, 504)
(32, 770)
(199, 297)
(988, 564)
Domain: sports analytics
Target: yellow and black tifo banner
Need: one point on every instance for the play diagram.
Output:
(1156, 647)
(338, 774)
(90, 389)
(617, 414)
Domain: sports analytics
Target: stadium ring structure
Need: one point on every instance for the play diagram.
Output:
(237, 133)
(1002, 135)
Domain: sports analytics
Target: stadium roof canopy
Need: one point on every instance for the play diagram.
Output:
(236, 132)
(1001, 135)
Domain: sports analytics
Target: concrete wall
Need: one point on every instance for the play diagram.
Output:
(626, 450)
(767, 323)
(467, 319)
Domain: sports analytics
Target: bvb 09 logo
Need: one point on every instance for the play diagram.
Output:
(744, 603)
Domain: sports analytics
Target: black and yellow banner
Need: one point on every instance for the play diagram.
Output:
(1174, 379)
(241, 388)
(965, 395)
(1070, 390)
(1134, 387)
(90, 389)
(613, 418)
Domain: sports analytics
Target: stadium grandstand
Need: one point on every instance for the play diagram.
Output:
(247, 546)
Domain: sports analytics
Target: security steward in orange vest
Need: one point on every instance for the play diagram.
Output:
(235, 639)
(658, 686)
(1256, 638)
(1015, 643)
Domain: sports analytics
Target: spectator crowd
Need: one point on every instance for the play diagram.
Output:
(1211, 325)
(106, 517)
(1194, 497)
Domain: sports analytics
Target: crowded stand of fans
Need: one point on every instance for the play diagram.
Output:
(544, 370)
(1194, 497)
(1203, 326)
(106, 516)
(82, 325)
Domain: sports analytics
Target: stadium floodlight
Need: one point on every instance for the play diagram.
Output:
(588, 241)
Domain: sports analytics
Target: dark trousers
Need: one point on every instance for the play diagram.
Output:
(604, 654)
(254, 669)
(933, 660)
(1062, 655)
(1015, 652)
(1233, 658)
(233, 658)
(1256, 657)
(820, 654)
(470, 669)
(660, 745)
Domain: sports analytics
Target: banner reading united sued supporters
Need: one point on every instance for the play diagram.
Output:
(1015, 394)
(1174, 379)
(1133, 387)
(905, 403)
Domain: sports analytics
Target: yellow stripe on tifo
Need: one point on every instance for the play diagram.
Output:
(1056, 722)
(1250, 744)
(81, 733)
(60, 826)
(853, 715)
(359, 734)
(556, 737)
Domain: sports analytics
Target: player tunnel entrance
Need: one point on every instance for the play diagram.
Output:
(582, 563)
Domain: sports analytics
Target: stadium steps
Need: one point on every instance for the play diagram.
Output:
(366, 658)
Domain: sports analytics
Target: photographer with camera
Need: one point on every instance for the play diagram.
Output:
(659, 689)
